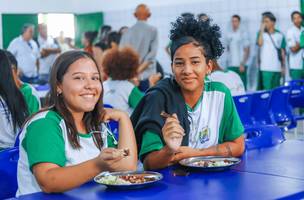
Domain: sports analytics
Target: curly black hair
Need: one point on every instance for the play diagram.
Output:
(199, 32)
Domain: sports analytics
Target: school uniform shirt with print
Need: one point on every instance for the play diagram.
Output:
(121, 94)
(213, 120)
(45, 139)
(269, 54)
(293, 37)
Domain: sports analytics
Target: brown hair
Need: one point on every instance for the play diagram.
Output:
(92, 120)
(121, 64)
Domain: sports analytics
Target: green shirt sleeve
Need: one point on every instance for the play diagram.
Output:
(31, 100)
(150, 142)
(44, 142)
(231, 126)
(135, 97)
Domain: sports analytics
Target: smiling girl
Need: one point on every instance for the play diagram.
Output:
(68, 144)
(201, 117)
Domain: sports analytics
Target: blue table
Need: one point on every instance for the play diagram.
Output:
(264, 182)
(285, 160)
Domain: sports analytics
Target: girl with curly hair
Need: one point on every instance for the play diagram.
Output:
(121, 65)
(188, 115)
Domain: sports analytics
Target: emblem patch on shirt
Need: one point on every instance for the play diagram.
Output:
(204, 135)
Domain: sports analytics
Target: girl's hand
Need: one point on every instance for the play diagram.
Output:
(173, 133)
(108, 158)
(114, 114)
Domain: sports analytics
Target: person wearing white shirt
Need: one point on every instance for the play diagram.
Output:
(48, 50)
(229, 78)
(25, 49)
(294, 47)
(238, 48)
(272, 55)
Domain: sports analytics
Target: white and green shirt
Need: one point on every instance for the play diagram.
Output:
(213, 120)
(230, 79)
(121, 94)
(45, 139)
(269, 54)
(293, 37)
(236, 42)
(31, 97)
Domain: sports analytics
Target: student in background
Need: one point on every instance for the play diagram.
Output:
(202, 16)
(295, 43)
(99, 49)
(272, 55)
(104, 33)
(229, 78)
(29, 92)
(26, 51)
(119, 91)
(48, 51)
(238, 47)
(123, 29)
(13, 107)
(75, 144)
(114, 39)
(87, 41)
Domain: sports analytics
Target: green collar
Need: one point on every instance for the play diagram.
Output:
(85, 135)
(196, 105)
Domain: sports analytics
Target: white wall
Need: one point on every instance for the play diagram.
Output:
(79, 6)
(219, 10)
(36, 6)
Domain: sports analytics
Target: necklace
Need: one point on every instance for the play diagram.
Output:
(194, 135)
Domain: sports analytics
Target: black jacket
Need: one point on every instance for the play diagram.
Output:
(165, 96)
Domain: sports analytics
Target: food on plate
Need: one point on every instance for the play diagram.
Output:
(125, 179)
(212, 163)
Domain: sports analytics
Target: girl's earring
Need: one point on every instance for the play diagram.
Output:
(59, 93)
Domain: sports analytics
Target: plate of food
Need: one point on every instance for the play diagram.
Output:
(128, 180)
(210, 163)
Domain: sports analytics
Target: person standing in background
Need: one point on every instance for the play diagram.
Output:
(295, 46)
(104, 33)
(48, 51)
(114, 39)
(272, 55)
(87, 41)
(122, 30)
(238, 48)
(26, 51)
(99, 49)
(144, 39)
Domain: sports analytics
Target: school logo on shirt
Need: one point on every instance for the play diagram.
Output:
(204, 135)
